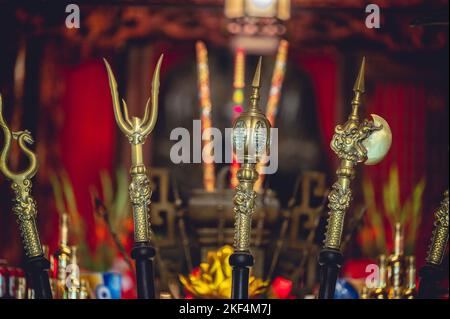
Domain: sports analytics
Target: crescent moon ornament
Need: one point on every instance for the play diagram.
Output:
(379, 142)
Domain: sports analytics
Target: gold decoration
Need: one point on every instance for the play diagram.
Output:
(397, 273)
(440, 233)
(410, 291)
(348, 144)
(251, 140)
(380, 291)
(244, 206)
(137, 130)
(24, 205)
(63, 256)
(73, 280)
(214, 278)
(396, 265)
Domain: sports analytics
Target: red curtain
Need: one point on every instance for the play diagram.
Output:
(323, 72)
(403, 105)
(87, 141)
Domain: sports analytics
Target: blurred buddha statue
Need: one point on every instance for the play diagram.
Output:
(298, 132)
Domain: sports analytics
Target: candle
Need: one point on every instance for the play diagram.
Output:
(205, 106)
(238, 99)
(274, 94)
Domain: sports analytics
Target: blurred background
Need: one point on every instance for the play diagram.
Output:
(54, 83)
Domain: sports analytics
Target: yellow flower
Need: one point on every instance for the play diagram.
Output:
(214, 278)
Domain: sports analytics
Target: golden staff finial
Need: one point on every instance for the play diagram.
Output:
(25, 206)
(359, 90)
(254, 98)
(136, 129)
(257, 77)
(23, 138)
(251, 141)
(353, 142)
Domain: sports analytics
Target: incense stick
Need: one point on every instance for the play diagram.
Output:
(205, 106)
(238, 100)
(274, 96)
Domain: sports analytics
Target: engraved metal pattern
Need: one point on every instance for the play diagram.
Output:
(339, 201)
(348, 144)
(348, 138)
(244, 199)
(140, 194)
(25, 210)
(440, 233)
(24, 205)
(244, 207)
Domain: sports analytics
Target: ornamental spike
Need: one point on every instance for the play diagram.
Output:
(254, 98)
(359, 90)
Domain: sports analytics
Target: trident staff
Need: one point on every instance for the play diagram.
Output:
(137, 130)
(25, 208)
(354, 142)
(251, 141)
(432, 272)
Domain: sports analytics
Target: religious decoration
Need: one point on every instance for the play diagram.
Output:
(212, 279)
(136, 130)
(353, 142)
(396, 274)
(25, 207)
(432, 272)
(209, 177)
(251, 141)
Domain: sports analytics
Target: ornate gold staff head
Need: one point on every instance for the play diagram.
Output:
(24, 206)
(23, 138)
(136, 129)
(251, 141)
(365, 141)
(353, 142)
(251, 131)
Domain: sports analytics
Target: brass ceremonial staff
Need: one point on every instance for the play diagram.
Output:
(137, 130)
(25, 208)
(432, 272)
(251, 141)
(354, 142)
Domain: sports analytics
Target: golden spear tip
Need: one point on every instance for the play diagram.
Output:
(359, 83)
(257, 78)
(106, 62)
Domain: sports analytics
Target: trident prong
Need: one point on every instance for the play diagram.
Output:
(123, 125)
(154, 97)
(125, 113)
(135, 126)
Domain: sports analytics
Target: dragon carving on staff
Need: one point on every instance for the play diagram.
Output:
(24, 205)
(348, 139)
